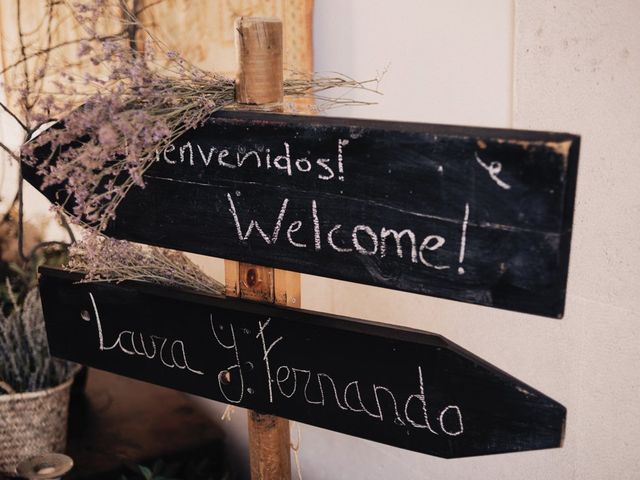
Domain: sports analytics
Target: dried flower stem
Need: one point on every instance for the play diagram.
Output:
(101, 259)
(135, 109)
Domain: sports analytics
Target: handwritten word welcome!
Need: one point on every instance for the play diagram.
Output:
(360, 239)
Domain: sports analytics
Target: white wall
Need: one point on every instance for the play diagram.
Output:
(570, 65)
(578, 69)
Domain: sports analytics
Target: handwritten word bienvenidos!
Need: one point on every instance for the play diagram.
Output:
(283, 382)
(262, 158)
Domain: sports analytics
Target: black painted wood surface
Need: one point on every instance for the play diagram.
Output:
(406, 388)
(469, 214)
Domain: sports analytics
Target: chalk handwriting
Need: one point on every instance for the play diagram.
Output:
(429, 251)
(286, 161)
(284, 382)
(170, 353)
(236, 367)
(463, 239)
(494, 168)
(266, 351)
(320, 389)
(362, 239)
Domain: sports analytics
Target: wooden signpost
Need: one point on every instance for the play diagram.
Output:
(259, 82)
(475, 215)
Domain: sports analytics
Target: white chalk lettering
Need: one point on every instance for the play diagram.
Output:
(280, 381)
(125, 344)
(253, 224)
(206, 159)
(222, 154)
(356, 242)
(439, 241)
(363, 239)
(183, 149)
(316, 226)
(341, 143)
(355, 385)
(303, 161)
(333, 385)
(322, 162)
(266, 351)
(288, 383)
(293, 228)
(460, 426)
(384, 233)
(397, 418)
(277, 162)
(170, 148)
(260, 157)
(240, 162)
(222, 383)
(463, 238)
(494, 168)
(420, 397)
(332, 243)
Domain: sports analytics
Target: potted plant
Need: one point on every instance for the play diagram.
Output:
(34, 388)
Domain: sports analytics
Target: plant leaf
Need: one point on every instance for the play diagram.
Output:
(146, 472)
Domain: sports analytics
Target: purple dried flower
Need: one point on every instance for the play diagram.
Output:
(84, 48)
(107, 136)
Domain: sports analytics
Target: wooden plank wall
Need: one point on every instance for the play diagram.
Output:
(201, 30)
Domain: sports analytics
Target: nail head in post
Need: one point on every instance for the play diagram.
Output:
(252, 277)
(47, 466)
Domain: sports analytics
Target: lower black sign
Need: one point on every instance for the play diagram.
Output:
(401, 387)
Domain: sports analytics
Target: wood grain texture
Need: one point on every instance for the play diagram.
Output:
(259, 77)
(269, 446)
(402, 387)
(201, 30)
(259, 82)
(204, 29)
(45, 25)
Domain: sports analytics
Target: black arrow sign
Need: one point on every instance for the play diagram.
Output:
(401, 387)
(475, 215)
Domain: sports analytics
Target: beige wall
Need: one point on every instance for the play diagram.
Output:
(578, 68)
(560, 65)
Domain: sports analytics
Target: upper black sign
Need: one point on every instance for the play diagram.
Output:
(401, 387)
(476, 215)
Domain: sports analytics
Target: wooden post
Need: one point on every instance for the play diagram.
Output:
(259, 82)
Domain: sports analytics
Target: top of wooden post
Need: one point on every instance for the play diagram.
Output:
(259, 46)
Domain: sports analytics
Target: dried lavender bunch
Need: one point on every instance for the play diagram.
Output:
(134, 105)
(117, 131)
(102, 259)
(25, 363)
